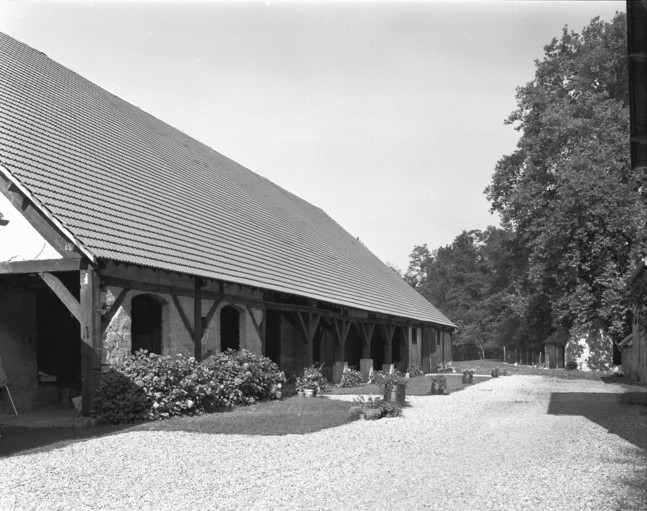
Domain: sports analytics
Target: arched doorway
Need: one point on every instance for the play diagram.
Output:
(146, 331)
(229, 328)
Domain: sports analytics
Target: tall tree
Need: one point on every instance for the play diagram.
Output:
(470, 281)
(567, 193)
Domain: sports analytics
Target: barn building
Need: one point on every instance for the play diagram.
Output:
(132, 235)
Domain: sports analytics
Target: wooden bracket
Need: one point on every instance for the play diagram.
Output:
(367, 330)
(183, 315)
(389, 331)
(257, 325)
(342, 327)
(63, 294)
(212, 312)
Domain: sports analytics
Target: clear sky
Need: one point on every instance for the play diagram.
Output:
(387, 115)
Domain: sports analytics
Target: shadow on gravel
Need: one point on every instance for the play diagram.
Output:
(621, 380)
(21, 440)
(624, 415)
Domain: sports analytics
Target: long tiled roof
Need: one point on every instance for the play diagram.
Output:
(130, 188)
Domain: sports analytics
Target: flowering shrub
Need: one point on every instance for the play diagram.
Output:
(146, 386)
(376, 377)
(373, 408)
(150, 386)
(244, 378)
(468, 375)
(415, 371)
(389, 380)
(438, 384)
(350, 378)
(312, 377)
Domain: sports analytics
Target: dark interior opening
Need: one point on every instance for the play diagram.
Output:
(353, 349)
(229, 328)
(378, 348)
(146, 313)
(273, 336)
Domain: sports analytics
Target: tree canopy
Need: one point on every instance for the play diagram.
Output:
(574, 214)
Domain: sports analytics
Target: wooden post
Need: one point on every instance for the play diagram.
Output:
(90, 322)
(197, 319)
(389, 331)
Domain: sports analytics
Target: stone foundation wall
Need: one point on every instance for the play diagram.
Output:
(117, 338)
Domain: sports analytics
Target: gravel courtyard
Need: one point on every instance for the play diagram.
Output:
(515, 442)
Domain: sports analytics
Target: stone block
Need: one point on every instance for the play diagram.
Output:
(388, 368)
(338, 369)
(366, 367)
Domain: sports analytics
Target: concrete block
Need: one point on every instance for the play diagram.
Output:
(366, 367)
(338, 369)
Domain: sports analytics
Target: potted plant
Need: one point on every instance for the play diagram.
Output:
(309, 388)
(314, 378)
(438, 384)
(393, 386)
(299, 386)
(468, 376)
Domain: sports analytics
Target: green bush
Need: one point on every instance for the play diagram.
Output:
(571, 365)
(376, 377)
(153, 387)
(373, 408)
(350, 378)
(244, 378)
(146, 386)
(314, 378)
(415, 371)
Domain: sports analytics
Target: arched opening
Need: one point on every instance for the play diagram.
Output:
(146, 313)
(353, 349)
(378, 350)
(229, 328)
(400, 351)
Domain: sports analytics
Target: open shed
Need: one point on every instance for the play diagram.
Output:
(134, 235)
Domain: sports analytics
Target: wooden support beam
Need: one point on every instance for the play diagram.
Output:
(197, 319)
(212, 312)
(42, 266)
(90, 336)
(63, 294)
(257, 325)
(38, 220)
(313, 324)
(367, 330)
(107, 317)
(389, 331)
(183, 316)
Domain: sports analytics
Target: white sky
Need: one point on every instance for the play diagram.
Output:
(388, 115)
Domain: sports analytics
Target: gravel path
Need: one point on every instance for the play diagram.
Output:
(516, 442)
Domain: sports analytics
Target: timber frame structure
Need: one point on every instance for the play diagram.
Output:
(157, 242)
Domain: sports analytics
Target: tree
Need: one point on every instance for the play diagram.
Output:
(567, 194)
(470, 281)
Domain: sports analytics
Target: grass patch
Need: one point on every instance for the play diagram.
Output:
(420, 386)
(486, 366)
(291, 416)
